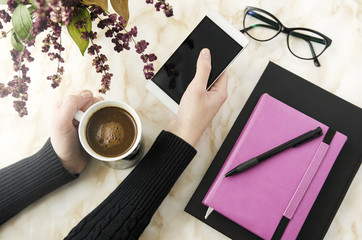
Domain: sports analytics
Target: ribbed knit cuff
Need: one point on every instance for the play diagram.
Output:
(129, 209)
(165, 161)
(25, 181)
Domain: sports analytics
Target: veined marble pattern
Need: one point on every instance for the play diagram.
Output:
(53, 216)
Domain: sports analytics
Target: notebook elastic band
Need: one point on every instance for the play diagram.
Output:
(304, 183)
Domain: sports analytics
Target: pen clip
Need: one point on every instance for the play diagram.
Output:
(314, 134)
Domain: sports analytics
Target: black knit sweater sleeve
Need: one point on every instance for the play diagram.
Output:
(25, 181)
(129, 209)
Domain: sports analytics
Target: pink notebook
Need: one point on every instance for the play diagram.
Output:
(273, 198)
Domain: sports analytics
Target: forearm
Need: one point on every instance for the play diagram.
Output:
(24, 182)
(129, 209)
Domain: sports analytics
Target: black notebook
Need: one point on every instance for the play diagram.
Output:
(316, 103)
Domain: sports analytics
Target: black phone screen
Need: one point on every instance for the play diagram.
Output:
(179, 70)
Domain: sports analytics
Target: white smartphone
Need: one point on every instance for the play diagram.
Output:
(223, 40)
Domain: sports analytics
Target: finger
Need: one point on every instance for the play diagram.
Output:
(71, 105)
(203, 68)
(98, 99)
(93, 101)
(221, 83)
(90, 103)
(60, 101)
(219, 90)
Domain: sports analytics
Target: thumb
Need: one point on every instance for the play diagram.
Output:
(71, 105)
(203, 68)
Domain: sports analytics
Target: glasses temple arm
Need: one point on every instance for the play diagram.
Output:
(315, 59)
(316, 62)
(259, 25)
(308, 38)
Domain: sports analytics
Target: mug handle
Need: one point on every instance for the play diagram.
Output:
(78, 115)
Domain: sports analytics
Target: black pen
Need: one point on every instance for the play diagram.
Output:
(306, 137)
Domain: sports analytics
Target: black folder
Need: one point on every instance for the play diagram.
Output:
(316, 103)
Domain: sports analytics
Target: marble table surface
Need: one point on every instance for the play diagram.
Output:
(53, 216)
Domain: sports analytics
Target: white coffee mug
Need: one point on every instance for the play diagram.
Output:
(127, 159)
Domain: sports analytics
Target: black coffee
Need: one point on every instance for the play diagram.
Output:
(111, 131)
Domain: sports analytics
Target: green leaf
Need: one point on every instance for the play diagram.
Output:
(21, 21)
(3, 2)
(75, 33)
(32, 9)
(17, 45)
(102, 3)
(121, 7)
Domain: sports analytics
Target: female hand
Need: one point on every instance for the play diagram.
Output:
(198, 106)
(64, 133)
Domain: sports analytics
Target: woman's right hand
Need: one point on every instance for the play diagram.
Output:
(198, 106)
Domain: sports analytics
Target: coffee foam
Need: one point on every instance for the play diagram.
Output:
(110, 134)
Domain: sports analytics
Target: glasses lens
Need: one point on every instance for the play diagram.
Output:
(306, 44)
(260, 26)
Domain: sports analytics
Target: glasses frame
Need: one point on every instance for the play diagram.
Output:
(280, 28)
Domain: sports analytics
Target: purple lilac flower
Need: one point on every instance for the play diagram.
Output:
(41, 17)
(51, 15)
(18, 86)
(148, 57)
(106, 80)
(56, 78)
(121, 39)
(141, 46)
(99, 61)
(12, 4)
(61, 11)
(148, 70)
(162, 4)
(5, 17)
(20, 107)
(81, 23)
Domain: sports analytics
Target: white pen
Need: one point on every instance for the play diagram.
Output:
(208, 212)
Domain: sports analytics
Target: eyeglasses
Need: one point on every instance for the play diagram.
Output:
(303, 43)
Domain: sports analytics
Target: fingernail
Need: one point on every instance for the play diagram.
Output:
(205, 53)
(86, 94)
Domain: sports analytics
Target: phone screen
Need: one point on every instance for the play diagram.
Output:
(179, 70)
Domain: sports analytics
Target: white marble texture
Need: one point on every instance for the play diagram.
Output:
(53, 216)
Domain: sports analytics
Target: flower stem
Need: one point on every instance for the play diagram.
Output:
(6, 33)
